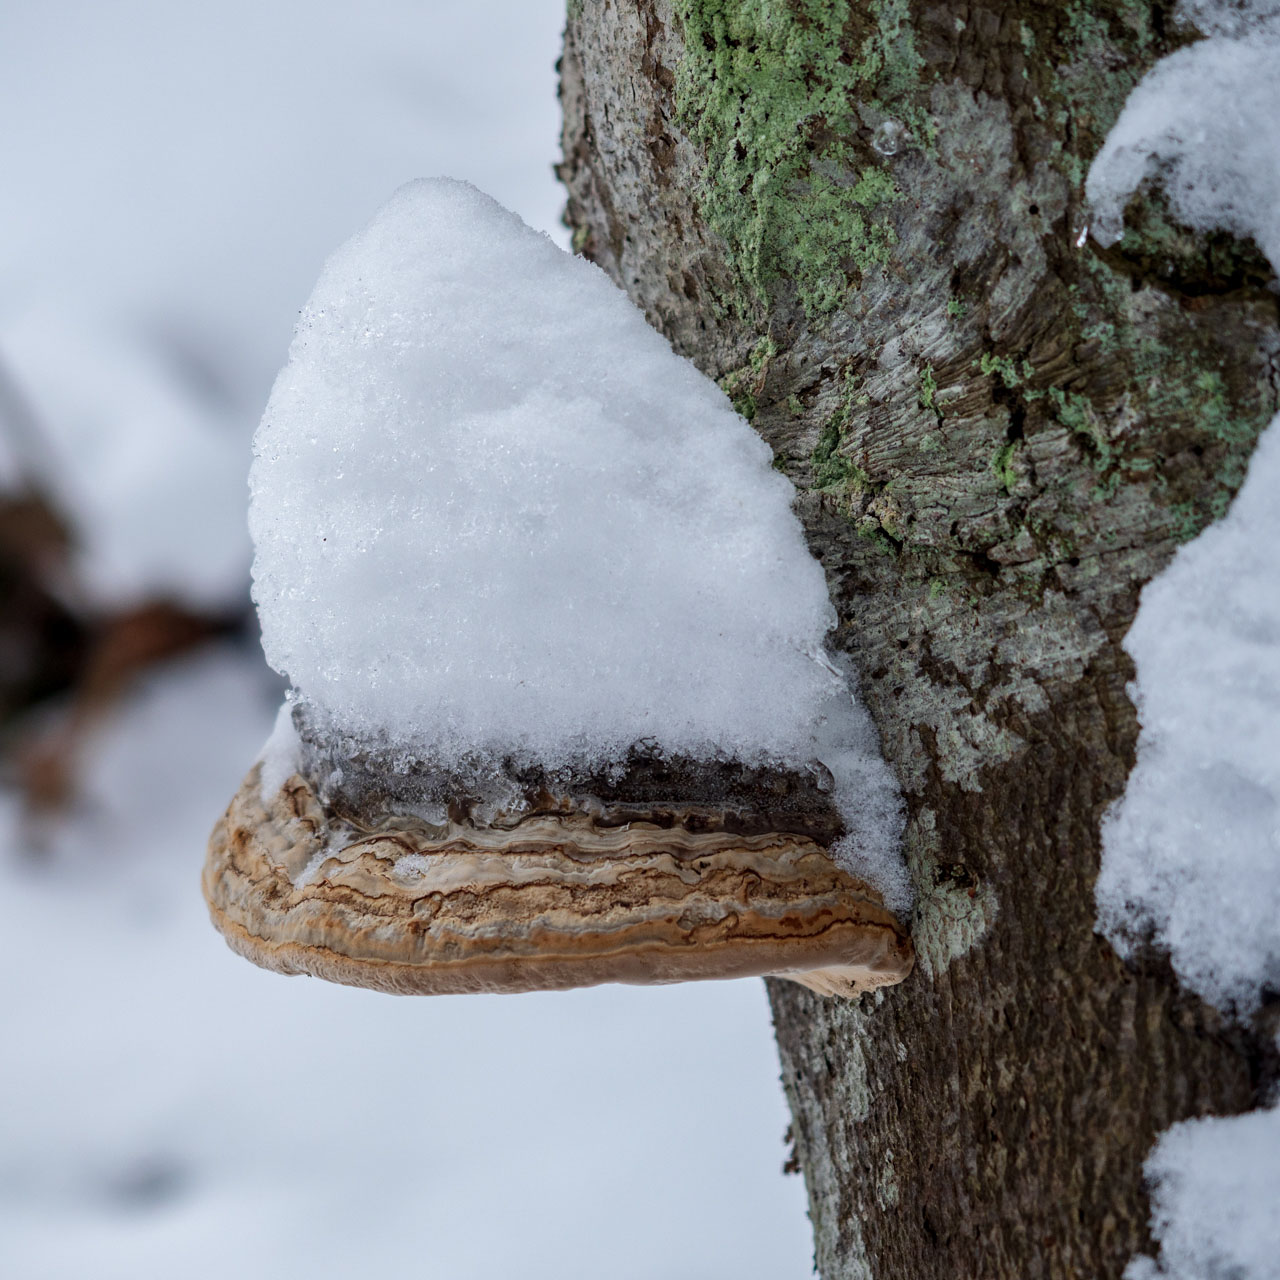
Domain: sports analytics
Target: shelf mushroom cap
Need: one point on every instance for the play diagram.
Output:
(555, 900)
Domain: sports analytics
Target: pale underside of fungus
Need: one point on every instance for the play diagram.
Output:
(556, 900)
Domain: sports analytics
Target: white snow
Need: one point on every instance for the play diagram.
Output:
(865, 793)
(1191, 853)
(493, 512)
(1227, 17)
(281, 754)
(495, 516)
(1215, 1200)
(167, 1110)
(1202, 120)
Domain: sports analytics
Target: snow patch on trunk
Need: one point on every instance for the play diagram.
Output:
(1191, 854)
(1214, 1200)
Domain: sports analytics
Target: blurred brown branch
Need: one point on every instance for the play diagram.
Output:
(61, 657)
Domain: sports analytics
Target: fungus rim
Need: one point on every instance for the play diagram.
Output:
(549, 904)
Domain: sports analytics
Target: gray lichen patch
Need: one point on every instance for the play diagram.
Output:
(955, 909)
(887, 1184)
(821, 1149)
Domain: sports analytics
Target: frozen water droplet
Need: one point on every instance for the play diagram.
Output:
(889, 138)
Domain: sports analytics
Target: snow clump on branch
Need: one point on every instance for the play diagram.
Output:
(1213, 1202)
(1203, 121)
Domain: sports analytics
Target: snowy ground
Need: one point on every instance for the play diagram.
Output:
(170, 1111)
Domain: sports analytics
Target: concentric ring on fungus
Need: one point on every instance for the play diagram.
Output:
(555, 900)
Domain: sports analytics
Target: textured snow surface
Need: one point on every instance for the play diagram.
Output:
(1216, 1200)
(169, 1112)
(493, 511)
(1191, 855)
(494, 515)
(1203, 121)
(1228, 17)
(281, 755)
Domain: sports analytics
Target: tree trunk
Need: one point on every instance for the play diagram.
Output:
(867, 220)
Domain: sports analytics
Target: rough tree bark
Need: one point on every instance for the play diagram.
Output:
(866, 220)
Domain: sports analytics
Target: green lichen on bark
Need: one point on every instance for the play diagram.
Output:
(831, 469)
(1166, 381)
(742, 384)
(834, 472)
(1082, 61)
(1099, 80)
(1001, 465)
(767, 89)
(929, 392)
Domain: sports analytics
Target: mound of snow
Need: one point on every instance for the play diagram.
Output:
(1214, 1202)
(497, 518)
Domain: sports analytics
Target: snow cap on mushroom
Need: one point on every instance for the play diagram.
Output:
(510, 548)
(494, 513)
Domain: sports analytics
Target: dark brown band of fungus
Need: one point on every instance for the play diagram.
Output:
(649, 785)
(556, 900)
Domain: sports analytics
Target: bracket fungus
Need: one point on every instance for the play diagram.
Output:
(561, 709)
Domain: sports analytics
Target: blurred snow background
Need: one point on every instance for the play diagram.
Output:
(174, 176)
